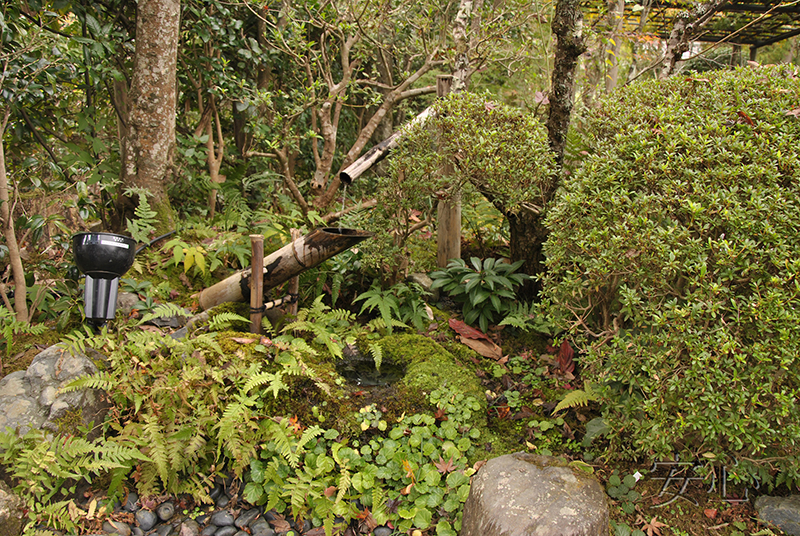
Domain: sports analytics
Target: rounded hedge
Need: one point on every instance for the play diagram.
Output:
(674, 255)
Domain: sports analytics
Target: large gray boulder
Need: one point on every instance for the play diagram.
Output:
(33, 398)
(783, 512)
(10, 512)
(530, 495)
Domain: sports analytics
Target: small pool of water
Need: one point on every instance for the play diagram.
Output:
(360, 370)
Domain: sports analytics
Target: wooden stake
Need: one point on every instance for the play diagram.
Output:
(448, 212)
(294, 283)
(256, 283)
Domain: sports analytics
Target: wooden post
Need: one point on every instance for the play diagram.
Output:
(448, 240)
(256, 283)
(294, 283)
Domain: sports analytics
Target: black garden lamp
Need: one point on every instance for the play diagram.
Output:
(103, 258)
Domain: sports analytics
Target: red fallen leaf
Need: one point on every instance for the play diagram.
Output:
(440, 415)
(330, 491)
(710, 513)
(266, 341)
(173, 294)
(466, 331)
(477, 465)
(566, 357)
(795, 112)
(745, 118)
(406, 490)
(445, 467)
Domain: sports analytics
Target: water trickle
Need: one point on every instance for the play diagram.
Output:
(344, 198)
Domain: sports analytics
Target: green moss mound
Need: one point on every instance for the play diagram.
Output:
(429, 366)
(673, 254)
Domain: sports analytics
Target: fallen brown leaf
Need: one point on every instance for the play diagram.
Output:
(243, 340)
(654, 527)
(466, 331)
(445, 467)
(484, 347)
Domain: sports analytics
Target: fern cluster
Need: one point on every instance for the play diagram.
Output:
(10, 326)
(48, 469)
(335, 328)
(193, 409)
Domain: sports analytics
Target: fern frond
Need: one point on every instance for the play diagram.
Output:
(158, 452)
(577, 398)
(224, 320)
(164, 310)
(379, 504)
(275, 382)
(308, 435)
(100, 380)
(376, 351)
(378, 324)
(344, 484)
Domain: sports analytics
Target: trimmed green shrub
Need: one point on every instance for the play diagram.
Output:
(674, 254)
(489, 149)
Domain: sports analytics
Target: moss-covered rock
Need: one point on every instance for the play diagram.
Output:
(429, 366)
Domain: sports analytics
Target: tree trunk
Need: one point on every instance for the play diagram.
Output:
(616, 11)
(7, 223)
(150, 143)
(792, 51)
(528, 235)
(568, 29)
(686, 25)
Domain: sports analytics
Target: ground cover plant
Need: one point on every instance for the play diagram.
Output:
(673, 260)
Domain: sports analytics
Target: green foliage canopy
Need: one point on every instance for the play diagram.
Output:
(673, 254)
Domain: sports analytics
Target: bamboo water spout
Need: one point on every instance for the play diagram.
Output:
(292, 259)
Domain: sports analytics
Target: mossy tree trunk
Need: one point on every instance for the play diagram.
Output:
(150, 141)
(568, 28)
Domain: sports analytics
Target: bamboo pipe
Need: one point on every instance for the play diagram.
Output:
(379, 152)
(292, 259)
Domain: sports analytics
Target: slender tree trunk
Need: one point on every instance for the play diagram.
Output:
(686, 25)
(616, 10)
(568, 29)
(461, 65)
(151, 120)
(7, 223)
(215, 154)
(793, 51)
